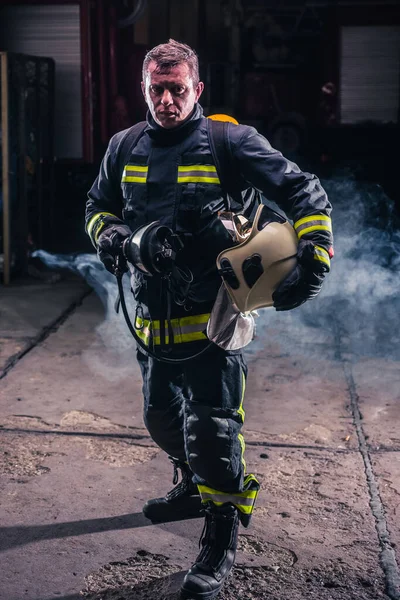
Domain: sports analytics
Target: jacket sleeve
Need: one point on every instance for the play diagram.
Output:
(105, 203)
(297, 192)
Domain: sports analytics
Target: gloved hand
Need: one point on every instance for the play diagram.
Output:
(109, 247)
(304, 282)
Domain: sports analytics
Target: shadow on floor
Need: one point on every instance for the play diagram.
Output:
(21, 535)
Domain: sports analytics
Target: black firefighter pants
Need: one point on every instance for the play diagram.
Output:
(193, 411)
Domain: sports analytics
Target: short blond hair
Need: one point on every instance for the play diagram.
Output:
(169, 55)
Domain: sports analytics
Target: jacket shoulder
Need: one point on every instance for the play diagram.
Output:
(119, 137)
(237, 133)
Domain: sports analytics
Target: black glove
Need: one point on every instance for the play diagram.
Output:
(304, 282)
(109, 247)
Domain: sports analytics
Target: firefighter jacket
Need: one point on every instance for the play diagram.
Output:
(170, 177)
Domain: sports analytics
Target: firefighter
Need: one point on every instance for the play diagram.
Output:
(194, 410)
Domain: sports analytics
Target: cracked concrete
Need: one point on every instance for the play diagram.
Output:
(77, 464)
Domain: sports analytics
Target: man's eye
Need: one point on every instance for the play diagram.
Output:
(178, 90)
(156, 89)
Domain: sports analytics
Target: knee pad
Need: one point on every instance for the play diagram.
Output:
(167, 431)
(212, 444)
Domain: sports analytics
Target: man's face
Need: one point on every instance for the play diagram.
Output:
(170, 96)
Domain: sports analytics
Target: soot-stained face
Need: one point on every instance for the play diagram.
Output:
(170, 95)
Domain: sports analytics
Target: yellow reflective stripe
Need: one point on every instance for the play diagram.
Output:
(95, 230)
(313, 228)
(244, 501)
(142, 323)
(198, 174)
(191, 337)
(141, 168)
(210, 493)
(249, 478)
(323, 259)
(242, 415)
(134, 174)
(183, 321)
(144, 335)
(180, 339)
(203, 318)
(181, 330)
(143, 329)
(133, 179)
(224, 498)
(312, 218)
(243, 508)
(198, 179)
(184, 329)
(92, 221)
(322, 255)
(90, 225)
(243, 445)
(184, 169)
(241, 409)
(192, 320)
(312, 223)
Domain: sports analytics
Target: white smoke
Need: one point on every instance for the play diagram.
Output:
(360, 297)
(112, 354)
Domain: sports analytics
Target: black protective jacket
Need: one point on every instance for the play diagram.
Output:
(170, 178)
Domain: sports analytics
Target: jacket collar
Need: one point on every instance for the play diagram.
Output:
(169, 137)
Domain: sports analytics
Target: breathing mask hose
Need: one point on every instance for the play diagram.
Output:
(119, 275)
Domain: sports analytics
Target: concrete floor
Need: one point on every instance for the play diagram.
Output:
(76, 463)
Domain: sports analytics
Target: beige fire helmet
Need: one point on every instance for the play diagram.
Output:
(252, 270)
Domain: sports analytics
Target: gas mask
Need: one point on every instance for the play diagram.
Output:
(152, 249)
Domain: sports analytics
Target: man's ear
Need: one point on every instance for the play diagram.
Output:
(199, 89)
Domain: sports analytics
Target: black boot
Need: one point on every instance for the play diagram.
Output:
(182, 502)
(215, 561)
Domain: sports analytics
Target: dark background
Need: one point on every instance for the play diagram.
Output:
(297, 70)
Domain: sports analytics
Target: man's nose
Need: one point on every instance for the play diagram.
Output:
(166, 98)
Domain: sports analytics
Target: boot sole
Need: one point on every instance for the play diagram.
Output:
(187, 595)
(200, 596)
(175, 518)
(173, 513)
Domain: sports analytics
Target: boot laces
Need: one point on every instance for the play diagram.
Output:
(185, 486)
(176, 474)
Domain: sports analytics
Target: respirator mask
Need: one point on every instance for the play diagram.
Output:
(152, 249)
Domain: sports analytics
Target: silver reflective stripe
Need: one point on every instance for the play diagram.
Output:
(181, 329)
(96, 225)
(321, 252)
(322, 255)
(199, 173)
(326, 225)
(227, 498)
(134, 173)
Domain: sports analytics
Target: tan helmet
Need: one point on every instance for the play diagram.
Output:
(252, 270)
